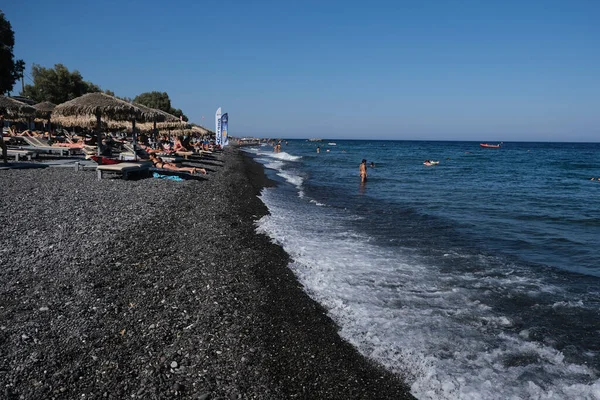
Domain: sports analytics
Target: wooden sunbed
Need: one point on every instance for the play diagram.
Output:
(124, 169)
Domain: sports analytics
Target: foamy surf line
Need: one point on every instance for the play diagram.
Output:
(418, 323)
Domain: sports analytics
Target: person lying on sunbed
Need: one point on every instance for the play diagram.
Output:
(159, 163)
(178, 146)
(148, 149)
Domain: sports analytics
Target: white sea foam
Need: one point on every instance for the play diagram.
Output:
(568, 304)
(271, 154)
(281, 156)
(292, 178)
(414, 320)
(272, 164)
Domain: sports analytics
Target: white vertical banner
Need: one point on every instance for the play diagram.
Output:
(218, 127)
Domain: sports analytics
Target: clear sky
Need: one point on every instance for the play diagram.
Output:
(450, 69)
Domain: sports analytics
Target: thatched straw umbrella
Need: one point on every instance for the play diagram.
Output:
(159, 117)
(13, 109)
(198, 129)
(100, 104)
(44, 108)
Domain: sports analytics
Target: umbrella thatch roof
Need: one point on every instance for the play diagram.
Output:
(45, 107)
(89, 122)
(159, 115)
(100, 103)
(14, 108)
(175, 132)
(169, 121)
(199, 129)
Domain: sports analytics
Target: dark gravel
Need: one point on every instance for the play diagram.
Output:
(156, 289)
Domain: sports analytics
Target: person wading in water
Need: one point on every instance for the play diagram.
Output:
(363, 171)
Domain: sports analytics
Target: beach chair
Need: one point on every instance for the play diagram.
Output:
(36, 145)
(18, 154)
(184, 154)
(124, 169)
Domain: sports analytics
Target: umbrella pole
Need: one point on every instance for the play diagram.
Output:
(155, 133)
(2, 143)
(98, 133)
(49, 130)
(133, 139)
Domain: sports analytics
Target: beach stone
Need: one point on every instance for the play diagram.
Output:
(128, 247)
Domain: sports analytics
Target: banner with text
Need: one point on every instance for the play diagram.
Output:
(224, 127)
(218, 127)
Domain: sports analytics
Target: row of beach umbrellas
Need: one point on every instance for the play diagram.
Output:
(91, 110)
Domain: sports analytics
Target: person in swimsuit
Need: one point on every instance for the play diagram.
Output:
(159, 163)
(363, 170)
(178, 146)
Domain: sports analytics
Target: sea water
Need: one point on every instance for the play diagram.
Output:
(478, 278)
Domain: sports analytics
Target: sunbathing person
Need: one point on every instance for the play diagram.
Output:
(159, 163)
(178, 146)
(149, 149)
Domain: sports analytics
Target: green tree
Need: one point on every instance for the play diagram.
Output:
(57, 84)
(9, 68)
(178, 113)
(156, 100)
(160, 101)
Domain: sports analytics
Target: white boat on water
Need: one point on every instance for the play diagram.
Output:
(332, 144)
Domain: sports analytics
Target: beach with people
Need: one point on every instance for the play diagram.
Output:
(150, 288)
(299, 201)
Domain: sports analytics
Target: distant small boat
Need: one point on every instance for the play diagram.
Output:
(332, 144)
(490, 146)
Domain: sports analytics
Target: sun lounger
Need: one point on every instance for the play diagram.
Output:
(37, 145)
(125, 169)
(184, 154)
(18, 154)
(127, 156)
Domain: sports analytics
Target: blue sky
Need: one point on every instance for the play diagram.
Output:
(432, 70)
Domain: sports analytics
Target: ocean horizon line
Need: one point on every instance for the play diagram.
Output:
(422, 140)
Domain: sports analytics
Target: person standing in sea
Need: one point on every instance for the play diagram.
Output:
(363, 170)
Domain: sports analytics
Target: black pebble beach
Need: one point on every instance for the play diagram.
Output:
(155, 289)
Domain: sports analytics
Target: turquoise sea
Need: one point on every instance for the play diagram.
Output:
(478, 278)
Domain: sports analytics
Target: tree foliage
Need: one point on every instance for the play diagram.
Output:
(10, 70)
(57, 84)
(160, 101)
(111, 93)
